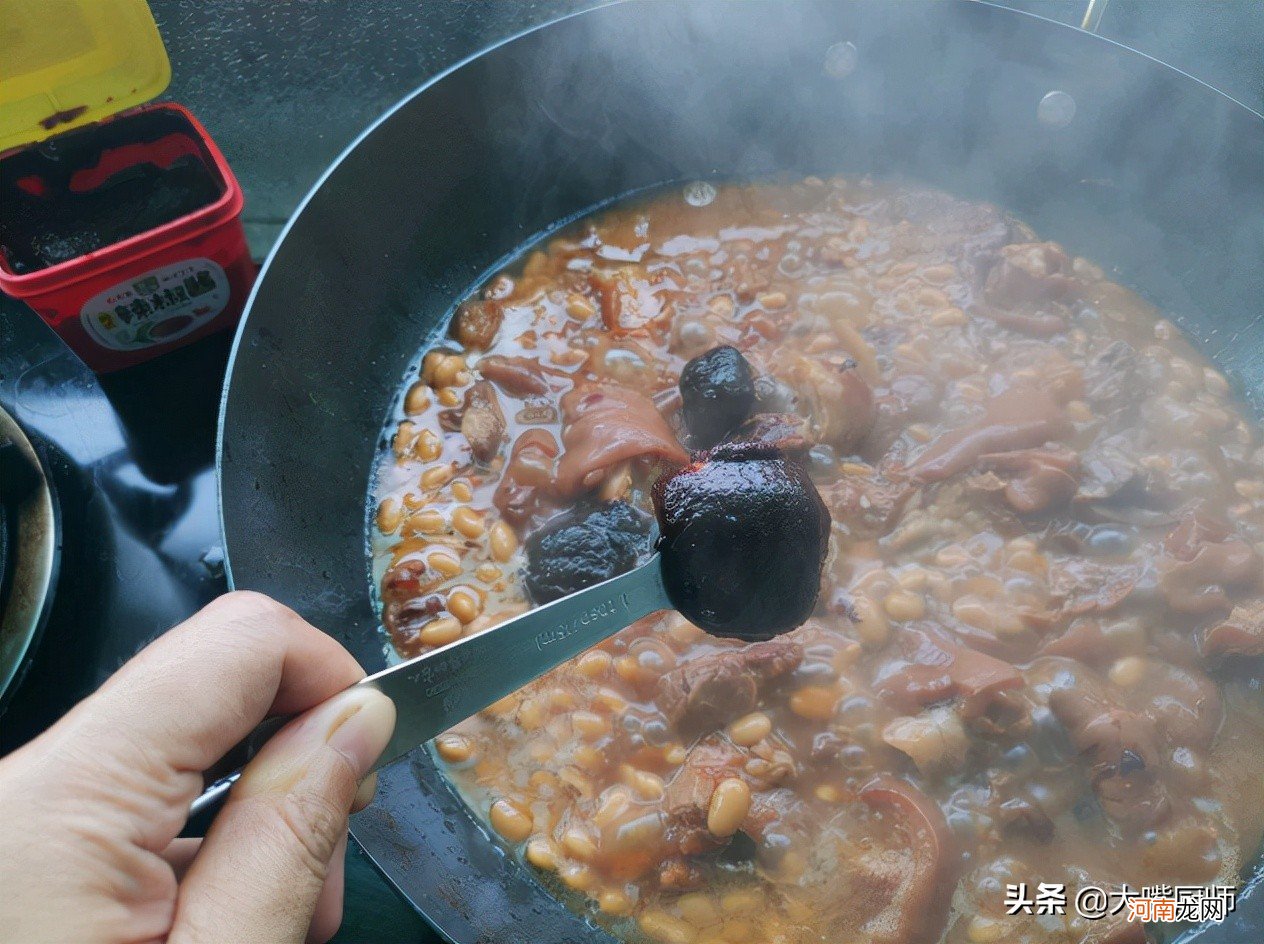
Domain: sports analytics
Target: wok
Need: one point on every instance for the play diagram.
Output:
(1156, 176)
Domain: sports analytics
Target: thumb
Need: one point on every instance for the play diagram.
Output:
(259, 873)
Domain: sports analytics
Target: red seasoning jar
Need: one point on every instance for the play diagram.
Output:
(119, 225)
(125, 236)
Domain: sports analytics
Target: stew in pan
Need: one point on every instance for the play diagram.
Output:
(1034, 655)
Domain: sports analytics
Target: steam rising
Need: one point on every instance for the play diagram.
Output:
(1120, 159)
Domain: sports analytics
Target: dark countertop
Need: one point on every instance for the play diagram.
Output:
(284, 88)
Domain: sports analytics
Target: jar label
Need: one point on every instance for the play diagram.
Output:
(158, 307)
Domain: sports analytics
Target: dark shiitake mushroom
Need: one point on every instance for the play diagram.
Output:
(585, 546)
(744, 538)
(717, 391)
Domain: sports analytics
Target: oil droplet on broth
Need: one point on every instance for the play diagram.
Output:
(699, 193)
(1056, 109)
(840, 60)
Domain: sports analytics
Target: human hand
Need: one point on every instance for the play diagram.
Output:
(90, 810)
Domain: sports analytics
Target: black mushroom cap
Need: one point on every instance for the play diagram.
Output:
(585, 546)
(743, 541)
(717, 392)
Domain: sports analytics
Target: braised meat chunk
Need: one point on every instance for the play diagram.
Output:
(1030, 272)
(834, 397)
(605, 426)
(1035, 480)
(939, 668)
(1202, 559)
(483, 423)
(1241, 633)
(1019, 418)
(1122, 753)
(918, 907)
(705, 693)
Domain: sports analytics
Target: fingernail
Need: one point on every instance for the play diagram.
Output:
(363, 720)
(366, 792)
(357, 724)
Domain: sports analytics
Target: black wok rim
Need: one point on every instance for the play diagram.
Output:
(405, 768)
(36, 563)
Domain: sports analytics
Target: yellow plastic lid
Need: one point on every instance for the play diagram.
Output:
(65, 63)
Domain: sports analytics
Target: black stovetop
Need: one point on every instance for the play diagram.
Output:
(132, 463)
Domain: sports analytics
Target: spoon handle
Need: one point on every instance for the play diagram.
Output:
(434, 691)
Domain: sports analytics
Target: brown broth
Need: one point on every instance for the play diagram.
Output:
(1011, 675)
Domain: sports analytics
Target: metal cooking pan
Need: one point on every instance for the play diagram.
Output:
(1155, 175)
